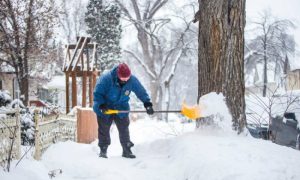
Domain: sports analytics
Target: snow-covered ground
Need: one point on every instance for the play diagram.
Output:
(166, 152)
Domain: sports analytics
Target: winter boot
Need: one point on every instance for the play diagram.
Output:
(103, 151)
(126, 150)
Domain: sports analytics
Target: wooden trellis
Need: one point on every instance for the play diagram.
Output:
(78, 63)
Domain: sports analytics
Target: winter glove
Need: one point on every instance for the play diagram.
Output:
(149, 108)
(103, 108)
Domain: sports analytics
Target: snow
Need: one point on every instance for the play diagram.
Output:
(205, 153)
(214, 104)
(17, 102)
(168, 151)
(174, 150)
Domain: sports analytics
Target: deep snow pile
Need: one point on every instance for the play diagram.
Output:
(200, 154)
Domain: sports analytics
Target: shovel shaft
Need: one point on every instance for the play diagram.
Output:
(142, 111)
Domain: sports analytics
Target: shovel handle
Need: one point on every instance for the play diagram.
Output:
(161, 111)
(112, 111)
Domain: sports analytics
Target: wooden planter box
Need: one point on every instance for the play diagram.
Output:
(87, 127)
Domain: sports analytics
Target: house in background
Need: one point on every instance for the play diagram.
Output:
(254, 82)
(8, 81)
(293, 80)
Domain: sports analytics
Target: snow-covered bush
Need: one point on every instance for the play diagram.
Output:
(17, 102)
(5, 98)
(27, 128)
(26, 117)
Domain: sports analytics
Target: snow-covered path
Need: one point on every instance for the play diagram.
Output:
(200, 154)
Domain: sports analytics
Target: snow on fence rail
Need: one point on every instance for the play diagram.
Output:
(52, 130)
(48, 130)
(10, 143)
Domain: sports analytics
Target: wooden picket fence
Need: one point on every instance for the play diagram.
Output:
(81, 127)
(51, 130)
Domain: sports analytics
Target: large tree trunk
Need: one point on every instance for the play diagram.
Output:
(221, 51)
(24, 90)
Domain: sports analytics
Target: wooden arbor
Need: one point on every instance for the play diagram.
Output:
(80, 63)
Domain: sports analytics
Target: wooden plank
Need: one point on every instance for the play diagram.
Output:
(67, 94)
(82, 62)
(89, 73)
(37, 152)
(88, 39)
(84, 89)
(91, 90)
(66, 56)
(94, 80)
(88, 46)
(87, 60)
(80, 54)
(74, 90)
(94, 55)
(73, 57)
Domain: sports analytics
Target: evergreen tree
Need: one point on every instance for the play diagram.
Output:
(103, 22)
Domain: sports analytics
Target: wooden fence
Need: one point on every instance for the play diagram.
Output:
(48, 130)
(10, 139)
(52, 130)
(81, 127)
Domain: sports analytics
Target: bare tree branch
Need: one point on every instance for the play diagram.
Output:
(141, 63)
(156, 6)
(136, 10)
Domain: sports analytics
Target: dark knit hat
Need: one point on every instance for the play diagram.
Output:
(123, 71)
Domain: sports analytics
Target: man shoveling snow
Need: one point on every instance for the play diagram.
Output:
(112, 92)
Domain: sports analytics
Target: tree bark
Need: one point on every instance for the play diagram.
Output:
(25, 77)
(221, 52)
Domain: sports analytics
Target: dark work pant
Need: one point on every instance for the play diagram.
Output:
(104, 125)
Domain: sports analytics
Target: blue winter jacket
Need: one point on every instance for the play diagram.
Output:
(109, 92)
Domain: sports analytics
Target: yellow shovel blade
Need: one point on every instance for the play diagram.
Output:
(192, 112)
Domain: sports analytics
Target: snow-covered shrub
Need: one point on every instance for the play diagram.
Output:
(27, 128)
(5, 98)
(26, 117)
(17, 102)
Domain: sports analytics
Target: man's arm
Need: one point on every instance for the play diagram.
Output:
(101, 89)
(142, 94)
(139, 90)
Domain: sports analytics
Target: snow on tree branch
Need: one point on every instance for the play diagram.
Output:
(175, 63)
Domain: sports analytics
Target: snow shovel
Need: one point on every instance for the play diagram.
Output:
(192, 112)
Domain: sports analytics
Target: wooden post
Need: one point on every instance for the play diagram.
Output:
(67, 93)
(37, 152)
(91, 90)
(74, 90)
(18, 134)
(94, 79)
(84, 88)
